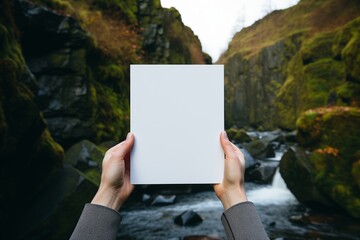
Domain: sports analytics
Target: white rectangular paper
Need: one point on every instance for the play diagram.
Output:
(177, 115)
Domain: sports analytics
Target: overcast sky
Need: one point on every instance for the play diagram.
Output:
(216, 21)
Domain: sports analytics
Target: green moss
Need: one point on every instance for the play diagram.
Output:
(336, 127)
(113, 75)
(238, 135)
(111, 116)
(348, 94)
(94, 175)
(351, 56)
(318, 47)
(334, 179)
(59, 5)
(289, 100)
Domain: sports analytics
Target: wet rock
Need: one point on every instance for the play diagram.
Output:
(296, 168)
(260, 149)
(261, 172)
(249, 160)
(161, 200)
(146, 198)
(188, 218)
(271, 136)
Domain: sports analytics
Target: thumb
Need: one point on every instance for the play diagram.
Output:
(120, 150)
(227, 146)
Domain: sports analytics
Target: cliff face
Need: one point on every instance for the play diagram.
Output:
(290, 61)
(64, 75)
(80, 51)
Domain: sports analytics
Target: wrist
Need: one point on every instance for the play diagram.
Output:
(233, 197)
(107, 197)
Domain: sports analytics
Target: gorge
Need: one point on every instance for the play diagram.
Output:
(64, 100)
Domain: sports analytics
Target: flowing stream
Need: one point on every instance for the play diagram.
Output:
(282, 215)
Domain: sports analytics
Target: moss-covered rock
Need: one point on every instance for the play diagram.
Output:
(28, 153)
(296, 168)
(87, 158)
(332, 138)
(260, 149)
(336, 127)
(238, 135)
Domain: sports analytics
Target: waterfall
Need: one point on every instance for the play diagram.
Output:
(274, 194)
(278, 181)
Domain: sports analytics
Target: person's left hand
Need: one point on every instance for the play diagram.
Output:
(115, 185)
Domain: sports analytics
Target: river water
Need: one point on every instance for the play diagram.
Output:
(282, 215)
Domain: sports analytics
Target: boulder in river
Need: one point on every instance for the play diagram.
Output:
(262, 172)
(260, 149)
(296, 168)
(331, 138)
(188, 218)
(249, 160)
(238, 135)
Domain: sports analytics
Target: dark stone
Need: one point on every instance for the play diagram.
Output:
(161, 200)
(188, 218)
(290, 137)
(270, 136)
(60, 200)
(84, 155)
(249, 160)
(146, 198)
(55, 50)
(260, 149)
(262, 172)
(295, 168)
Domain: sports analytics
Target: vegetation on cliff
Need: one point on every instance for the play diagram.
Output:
(291, 61)
(64, 74)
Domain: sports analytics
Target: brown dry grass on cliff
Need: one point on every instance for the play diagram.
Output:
(111, 33)
(311, 16)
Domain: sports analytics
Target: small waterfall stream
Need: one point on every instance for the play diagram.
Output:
(276, 194)
(282, 215)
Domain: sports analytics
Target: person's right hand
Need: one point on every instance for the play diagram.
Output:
(231, 190)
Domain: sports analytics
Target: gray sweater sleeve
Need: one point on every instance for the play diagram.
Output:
(97, 222)
(241, 221)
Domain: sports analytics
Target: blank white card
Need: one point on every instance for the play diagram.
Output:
(177, 115)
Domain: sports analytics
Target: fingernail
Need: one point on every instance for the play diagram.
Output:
(128, 136)
(225, 135)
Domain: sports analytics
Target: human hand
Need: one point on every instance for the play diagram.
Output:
(115, 185)
(231, 190)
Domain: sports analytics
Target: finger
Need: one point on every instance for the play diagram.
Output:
(239, 154)
(120, 150)
(227, 145)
